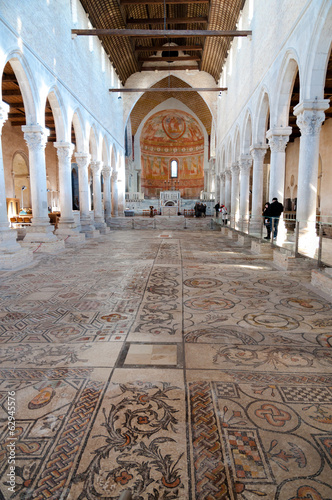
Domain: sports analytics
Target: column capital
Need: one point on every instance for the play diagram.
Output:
(114, 175)
(106, 171)
(82, 160)
(278, 138)
(35, 136)
(228, 173)
(222, 176)
(64, 150)
(4, 110)
(245, 163)
(96, 166)
(235, 167)
(258, 151)
(310, 115)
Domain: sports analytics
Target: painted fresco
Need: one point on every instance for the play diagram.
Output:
(172, 135)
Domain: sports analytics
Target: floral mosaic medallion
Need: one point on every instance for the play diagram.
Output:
(138, 445)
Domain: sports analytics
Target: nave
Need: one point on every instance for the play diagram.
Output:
(175, 365)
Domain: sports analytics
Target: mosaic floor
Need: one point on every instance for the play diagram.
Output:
(176, 365)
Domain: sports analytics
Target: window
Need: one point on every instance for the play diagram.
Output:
(174, 168)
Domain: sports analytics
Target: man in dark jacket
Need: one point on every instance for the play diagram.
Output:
(217, 207)
(276, 210)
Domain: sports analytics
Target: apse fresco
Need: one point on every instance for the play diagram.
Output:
(166, 136)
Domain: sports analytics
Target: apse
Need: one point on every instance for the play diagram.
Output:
(172, 154)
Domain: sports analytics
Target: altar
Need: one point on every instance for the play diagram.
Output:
(170, 203)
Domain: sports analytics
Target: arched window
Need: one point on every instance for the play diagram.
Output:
(174, 168)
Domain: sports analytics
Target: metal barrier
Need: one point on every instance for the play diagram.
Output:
(300, 238)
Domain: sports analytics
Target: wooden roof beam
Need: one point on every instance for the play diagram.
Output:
(165, 68)
(11, 92)
(166, 48)
(9, 78)
(171, 89)
(169, 59)
(169, 20)
(161, 2)
(158, 33)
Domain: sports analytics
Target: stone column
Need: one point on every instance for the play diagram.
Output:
(217, 188)
(310, 116)
(41, 230)
(258, 152)
(11, 253)
(235, 194)
(222, 189)
(245, 166)
(107, 191)
(97, 204)
(278, 138)
(228, 175)
(64, 152)
(121, 184)
(83, 160)
(4, 224)
(114, 194)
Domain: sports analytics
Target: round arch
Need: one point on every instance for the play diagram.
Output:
(263, 113)
(237, 144)
(288, 71)
(58, 110)
(318, 56)
(78, 129)
(247, 134)
(26, 83)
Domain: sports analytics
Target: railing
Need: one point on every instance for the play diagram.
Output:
(136, 196)
(304, 238)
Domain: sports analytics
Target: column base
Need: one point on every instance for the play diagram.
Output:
(40, 234)
(260, 248)
(308, 242)
(255, 226)
(284, 260)
(90, 231)
(244, 225)
(12, 261)
(87, 227)
(12, 255)
(102, 227)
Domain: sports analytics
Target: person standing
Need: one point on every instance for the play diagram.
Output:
(267, 220)
(276, 210)
(224, 215)
(217, 207)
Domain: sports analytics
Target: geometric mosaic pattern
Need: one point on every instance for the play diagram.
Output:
(171, 364)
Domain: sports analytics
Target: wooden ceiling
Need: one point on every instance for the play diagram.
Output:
(128, 54)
